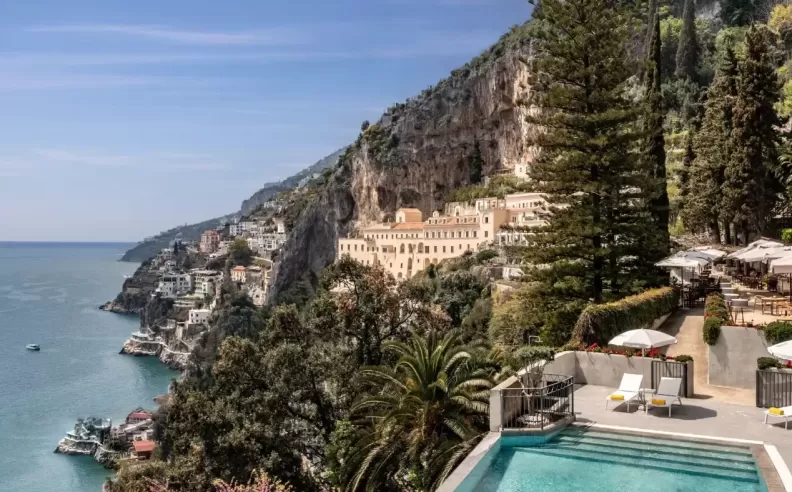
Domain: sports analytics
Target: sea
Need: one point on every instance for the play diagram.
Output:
(49, 294)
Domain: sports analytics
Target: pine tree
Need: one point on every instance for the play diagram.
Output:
(588, 168)
(704, 208)
(739, 12)
(655, 138)
(687, 56)
(752, 184)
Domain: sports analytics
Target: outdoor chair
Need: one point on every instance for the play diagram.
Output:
(779, 413)
(629, 389)
(665, 395)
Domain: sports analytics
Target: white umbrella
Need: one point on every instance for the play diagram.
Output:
(781, 350)
(762, 254)
(761, 243)
(711, 252)
(643, 339)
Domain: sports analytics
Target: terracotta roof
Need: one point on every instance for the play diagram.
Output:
(239, 268)
(143, 446)
(408, 226)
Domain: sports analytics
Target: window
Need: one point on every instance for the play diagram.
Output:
(452, 249)
(435, 250)
(486, 233)
(443, 249)
(460, 247)
(475, 233)
(486, 220)
(467, 233)
(356, 247)
(401, 265)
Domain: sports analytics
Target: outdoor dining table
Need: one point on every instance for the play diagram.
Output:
(772, 301)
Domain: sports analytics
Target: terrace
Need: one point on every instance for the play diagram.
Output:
(541, 408)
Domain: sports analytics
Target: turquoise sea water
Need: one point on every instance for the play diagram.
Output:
(49, 295)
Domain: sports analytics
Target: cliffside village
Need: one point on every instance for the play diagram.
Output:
(409, 244)
(197, 290)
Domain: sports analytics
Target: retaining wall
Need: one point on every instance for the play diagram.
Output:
(732, 360)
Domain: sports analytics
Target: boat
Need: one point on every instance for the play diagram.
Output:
(33, 346)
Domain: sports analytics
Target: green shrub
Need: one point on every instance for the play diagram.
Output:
(683, 358)
(601, 322)
(767, 363)
(712, 329)
(485, 255)
(778, 331)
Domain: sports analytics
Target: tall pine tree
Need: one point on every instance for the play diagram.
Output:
(588, 168)
(655, 139)
(752, 174)
(704, 207)
(687, 56)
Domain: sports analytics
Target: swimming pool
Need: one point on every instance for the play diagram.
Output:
(587, 459)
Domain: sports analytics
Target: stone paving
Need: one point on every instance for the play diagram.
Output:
(686, 325)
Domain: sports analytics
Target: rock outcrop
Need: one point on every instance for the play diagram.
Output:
(419, 151)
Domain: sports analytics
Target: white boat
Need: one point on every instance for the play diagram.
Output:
(33, 346)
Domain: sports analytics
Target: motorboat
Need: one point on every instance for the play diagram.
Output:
(33, 346)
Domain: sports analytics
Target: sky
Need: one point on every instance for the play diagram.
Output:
(121, 119)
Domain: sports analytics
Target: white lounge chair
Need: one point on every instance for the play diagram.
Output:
(787, 413)
(667, 392)
(629, 389)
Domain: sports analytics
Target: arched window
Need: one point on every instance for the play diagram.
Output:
(410, 248)
(401, 249)
(409, 264)
(399, 276)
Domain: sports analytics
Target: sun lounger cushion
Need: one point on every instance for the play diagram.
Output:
(776, 411)
(617, 396)
(658, 401)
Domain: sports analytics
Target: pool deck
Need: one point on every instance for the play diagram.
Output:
(701, 417)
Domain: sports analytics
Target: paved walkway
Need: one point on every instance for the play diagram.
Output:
(686, 325)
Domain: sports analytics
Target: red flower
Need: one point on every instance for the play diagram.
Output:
(669, 357)
(788, 364)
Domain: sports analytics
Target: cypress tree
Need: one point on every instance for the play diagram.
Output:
(752, 181)
(687, 56)
(476, 164)
(655, 139)
(704, 208)
(588, 167)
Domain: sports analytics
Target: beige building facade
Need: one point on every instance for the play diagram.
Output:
(410, 243)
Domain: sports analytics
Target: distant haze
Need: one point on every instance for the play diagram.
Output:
(121, 120)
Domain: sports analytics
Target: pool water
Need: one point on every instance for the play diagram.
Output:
(579, 459)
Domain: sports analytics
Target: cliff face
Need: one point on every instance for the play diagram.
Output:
(419, 151)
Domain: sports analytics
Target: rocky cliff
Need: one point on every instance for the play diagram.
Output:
(417, 152)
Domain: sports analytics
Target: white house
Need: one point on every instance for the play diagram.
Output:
(206, 282)
(198, 316)
(172, 285)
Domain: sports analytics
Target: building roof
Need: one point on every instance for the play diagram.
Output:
(411, 214)
(408, 226)
(239, 268)
(210, 233)
(139, 415)
(143, 446)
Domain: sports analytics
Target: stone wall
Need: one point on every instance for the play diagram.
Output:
(732, 361)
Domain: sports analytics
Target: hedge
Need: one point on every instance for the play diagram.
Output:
(716, 314)
(601, 322)
(767, 363)
(777, 332)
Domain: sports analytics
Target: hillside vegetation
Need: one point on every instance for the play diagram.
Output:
(657, 118)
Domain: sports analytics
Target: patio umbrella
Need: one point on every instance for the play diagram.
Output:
(783, 265)
(781, 350)
(643, 339)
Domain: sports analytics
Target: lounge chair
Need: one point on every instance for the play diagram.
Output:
(629, 389)
(786, 413)
(665, 395)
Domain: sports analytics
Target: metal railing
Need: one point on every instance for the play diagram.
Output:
(671, 369)
(773, 389)
(540, 401)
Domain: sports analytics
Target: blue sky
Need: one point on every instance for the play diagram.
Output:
(121, 119)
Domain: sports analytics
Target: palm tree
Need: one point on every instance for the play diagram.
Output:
(429, 411)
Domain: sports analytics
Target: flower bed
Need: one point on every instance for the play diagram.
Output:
(651, 354)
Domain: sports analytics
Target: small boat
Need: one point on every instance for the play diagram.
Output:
(33, 346)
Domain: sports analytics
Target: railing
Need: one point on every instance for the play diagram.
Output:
(540, 401)
(773, 388)
(671, 369)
